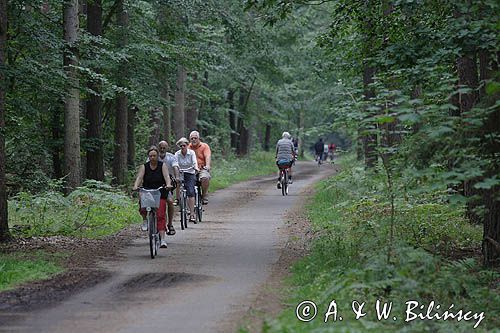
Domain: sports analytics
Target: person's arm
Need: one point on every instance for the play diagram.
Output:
(140, 177)
(208, 158)
(164, 171)
(175, 166)
(276, 155)
(195, 162)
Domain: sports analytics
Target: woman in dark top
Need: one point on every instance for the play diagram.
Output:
(152, 175)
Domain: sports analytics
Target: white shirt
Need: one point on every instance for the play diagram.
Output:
(187, 163)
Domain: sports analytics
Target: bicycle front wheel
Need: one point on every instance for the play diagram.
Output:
(199, 204)
(152, 234)
(184, 210)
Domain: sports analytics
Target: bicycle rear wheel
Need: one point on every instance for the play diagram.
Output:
(284, 182)
(153, 249)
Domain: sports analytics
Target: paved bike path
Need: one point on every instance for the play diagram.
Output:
(208, 273)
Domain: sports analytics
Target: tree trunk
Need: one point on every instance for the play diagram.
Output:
(56, 147)
(484, 69)
(179, 112)
(121, 107)
(192, 107)
(72, 160)
(490, 197)
(4, 221)
(232, 118)
(95, 153)
(468, 77)
(267, 138)
(131, 136)
(155, 116)
(167, 113)
(369, 136)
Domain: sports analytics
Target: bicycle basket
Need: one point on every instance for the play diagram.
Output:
(150, 199)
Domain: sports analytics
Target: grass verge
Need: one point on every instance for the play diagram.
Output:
(349, 262)
(234, 170)
(17, 269)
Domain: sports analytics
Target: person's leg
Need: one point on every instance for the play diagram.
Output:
(205, 183)
(190, 182)
(160, 220)
(170, 212)
(191, 206)
(143, 213)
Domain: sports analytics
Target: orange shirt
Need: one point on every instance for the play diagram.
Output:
(202, 153)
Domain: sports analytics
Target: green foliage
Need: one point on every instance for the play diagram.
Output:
(93, 210)
(16, 269)
(348, 261)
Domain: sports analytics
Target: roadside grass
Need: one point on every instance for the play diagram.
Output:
(233, 170)
(348, 261)
(93, 210)
(16, 269)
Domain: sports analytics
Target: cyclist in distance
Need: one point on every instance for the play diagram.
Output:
(173, 170)
(285, 153)
(204, 159)
(318, 149)
(187, 162)
(152, 175)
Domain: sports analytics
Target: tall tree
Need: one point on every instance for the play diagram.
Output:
(192, 106)
(95, 153)
(232, 118)
(72, 160)
(179, 109)
(4, 226)
(167, 112)
(132, 111)
(121, 104)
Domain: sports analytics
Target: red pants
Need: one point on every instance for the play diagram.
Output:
(160, 214)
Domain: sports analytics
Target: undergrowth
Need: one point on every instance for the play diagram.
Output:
(348, 261)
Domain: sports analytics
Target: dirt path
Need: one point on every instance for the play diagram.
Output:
(204, 282)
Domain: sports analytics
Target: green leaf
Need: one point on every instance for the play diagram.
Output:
(487, 183)
(492, 87)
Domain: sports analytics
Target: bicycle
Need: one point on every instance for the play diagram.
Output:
(150, 200)
(183, 201)
(198, 202)
(283, 178)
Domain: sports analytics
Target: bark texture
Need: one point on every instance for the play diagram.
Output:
(179, 109)
(72, 160)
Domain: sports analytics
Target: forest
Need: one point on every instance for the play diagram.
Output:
(408, 88)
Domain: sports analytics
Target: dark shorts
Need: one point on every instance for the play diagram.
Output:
(284, 163)
(189, 183)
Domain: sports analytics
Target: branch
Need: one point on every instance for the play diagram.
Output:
(493, 242)
(112, 11)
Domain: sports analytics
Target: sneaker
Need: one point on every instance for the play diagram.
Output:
(144, 226)
(278, 185)
(176, 202)
(163, 244)
(290, 181)
(204, 201)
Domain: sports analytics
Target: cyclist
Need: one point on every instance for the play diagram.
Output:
(204, 159)
(318, 149)
(331, 151)
(187, 162)
(173, 170)
(285, 154)
(152, 175)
